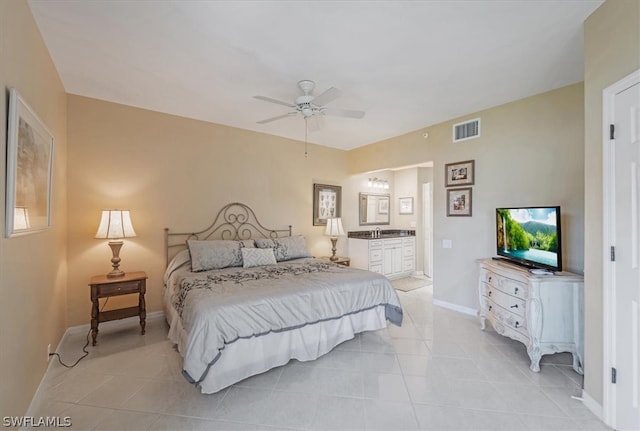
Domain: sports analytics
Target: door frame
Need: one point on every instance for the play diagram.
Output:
(608, 231)
(427, 212)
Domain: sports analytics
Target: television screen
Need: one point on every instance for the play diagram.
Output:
(530, 236)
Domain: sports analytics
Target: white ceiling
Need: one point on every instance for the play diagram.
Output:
(408, 64)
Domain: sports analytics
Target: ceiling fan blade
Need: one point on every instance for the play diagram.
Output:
(328, 96)
(279, 102)
(337, 112)
(268, 120)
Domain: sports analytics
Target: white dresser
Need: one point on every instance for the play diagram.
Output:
(544, 312)
(393, 257)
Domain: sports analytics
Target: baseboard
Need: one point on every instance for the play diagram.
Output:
(114, 323)
(456, 307)
(593, 406)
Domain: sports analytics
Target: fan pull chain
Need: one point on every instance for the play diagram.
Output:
(305, 137)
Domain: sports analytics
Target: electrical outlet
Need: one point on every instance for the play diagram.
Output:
(48, 352)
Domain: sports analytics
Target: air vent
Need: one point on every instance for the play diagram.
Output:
(467, 130)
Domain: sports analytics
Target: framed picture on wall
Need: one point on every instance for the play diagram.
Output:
(459, 202)
(327, 203)
(29, 170)
(459, 173)
(405, 205)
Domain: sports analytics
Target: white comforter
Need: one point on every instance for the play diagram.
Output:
(219, 307)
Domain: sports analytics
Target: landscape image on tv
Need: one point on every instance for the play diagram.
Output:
(528, 234)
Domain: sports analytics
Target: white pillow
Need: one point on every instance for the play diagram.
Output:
(257, 257)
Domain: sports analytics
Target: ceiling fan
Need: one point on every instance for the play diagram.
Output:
(309, 105)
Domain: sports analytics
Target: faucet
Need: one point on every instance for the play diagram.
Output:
(377, 232)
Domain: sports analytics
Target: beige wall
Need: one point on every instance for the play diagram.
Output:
(32, 267)
(612, 51)
(176, 172)
(530, 153)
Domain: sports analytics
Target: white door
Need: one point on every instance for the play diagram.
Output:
(626, 266)
(427, 228)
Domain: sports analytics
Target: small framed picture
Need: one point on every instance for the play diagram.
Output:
(459, 174)
(405, 205)
(327, 203)
(459, 202)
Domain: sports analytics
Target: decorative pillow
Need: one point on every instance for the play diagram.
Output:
(257, 257)
(214, 254)
(286, 248)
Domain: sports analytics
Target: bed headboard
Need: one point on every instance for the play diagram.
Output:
(235, 221)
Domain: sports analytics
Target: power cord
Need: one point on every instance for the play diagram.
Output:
(84, 348)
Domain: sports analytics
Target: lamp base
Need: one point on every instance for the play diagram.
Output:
(333, 249)
(115, 260)
(115, 273)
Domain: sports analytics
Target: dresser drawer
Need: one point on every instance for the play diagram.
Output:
(508, 302)
(375, 243)
(507, 318)
(118, 288)
(507, 285)
(375, 255)
(407, 265)
(376, 268)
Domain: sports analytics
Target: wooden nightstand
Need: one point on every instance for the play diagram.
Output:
(341, 260)
(104, 287)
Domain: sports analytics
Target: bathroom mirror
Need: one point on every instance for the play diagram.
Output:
(374, 208)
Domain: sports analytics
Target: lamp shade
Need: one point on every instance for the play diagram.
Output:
(115, 224)
(334, 227)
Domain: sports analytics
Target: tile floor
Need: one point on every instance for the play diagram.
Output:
(439, 371)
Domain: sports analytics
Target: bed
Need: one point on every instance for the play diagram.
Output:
(241, 299)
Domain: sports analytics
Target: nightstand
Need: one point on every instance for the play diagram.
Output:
(104, 287)
(345, 261)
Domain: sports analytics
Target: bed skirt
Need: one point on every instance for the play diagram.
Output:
(247, 357)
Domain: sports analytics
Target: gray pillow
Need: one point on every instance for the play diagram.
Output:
(214, 254)
(286, 248)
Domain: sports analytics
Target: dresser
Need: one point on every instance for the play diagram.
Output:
(393, 256)
(544, 312)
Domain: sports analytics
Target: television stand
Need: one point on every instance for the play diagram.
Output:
(514, 301)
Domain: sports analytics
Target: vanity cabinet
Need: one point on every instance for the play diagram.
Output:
(544, 312)
(393, 257)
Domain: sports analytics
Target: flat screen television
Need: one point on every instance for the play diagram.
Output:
(530, 236)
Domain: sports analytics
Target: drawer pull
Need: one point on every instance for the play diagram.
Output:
(489, 293)
(489, 279)
(517, 323)
(490, 307)
(515, 291)
(514, 306)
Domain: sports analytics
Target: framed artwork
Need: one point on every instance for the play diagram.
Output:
(459, 202)
(459, 174)
(405, 205)
(29, 170)
(327, 203)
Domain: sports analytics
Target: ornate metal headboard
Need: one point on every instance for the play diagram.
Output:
(234, 221)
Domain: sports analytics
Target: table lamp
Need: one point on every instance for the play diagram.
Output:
(334, 229)
(114, 225)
